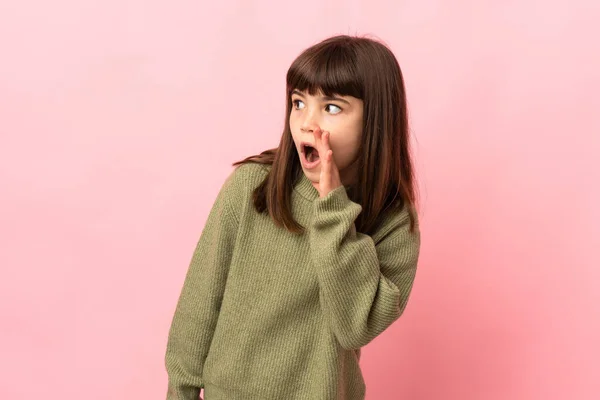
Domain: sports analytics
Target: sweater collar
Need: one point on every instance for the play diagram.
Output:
(306, 189)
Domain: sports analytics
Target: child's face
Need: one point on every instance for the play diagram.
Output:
(342, 117)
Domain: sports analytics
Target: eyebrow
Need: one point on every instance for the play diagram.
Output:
(324, 98)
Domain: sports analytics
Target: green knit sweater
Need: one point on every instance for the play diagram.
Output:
(265, 314)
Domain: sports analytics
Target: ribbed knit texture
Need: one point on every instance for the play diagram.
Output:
(265, 314)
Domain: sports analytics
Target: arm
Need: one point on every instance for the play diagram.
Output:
(198, 306)
(364, 286)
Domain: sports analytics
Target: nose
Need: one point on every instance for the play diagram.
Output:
(310, 123)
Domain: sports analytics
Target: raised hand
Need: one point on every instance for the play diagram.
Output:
(330, 175)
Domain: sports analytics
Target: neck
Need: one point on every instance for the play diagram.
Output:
(348, 175)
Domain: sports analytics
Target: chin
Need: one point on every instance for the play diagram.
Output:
(315, 171)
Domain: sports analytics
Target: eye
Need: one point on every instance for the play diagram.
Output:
(295, 103)
(333, 105)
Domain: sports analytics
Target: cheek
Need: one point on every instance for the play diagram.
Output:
(293, 121)
(346, 141)
(344, 151)
(293, 129)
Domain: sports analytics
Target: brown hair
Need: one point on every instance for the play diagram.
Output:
(365, 69)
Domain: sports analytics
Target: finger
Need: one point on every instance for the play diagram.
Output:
(319, 141)
(327, 167)
(318, 133)
(326, 136)
(329, 149)
(326, 141)
(325, 164)
(325, 149)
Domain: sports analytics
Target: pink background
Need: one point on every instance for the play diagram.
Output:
(119, 121)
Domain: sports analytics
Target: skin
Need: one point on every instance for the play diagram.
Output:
(334, 127)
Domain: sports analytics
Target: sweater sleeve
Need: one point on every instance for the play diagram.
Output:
(364, 286)
(197, 309)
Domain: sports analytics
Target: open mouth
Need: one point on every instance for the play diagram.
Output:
(310, 152)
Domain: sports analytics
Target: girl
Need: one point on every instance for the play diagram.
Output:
(310, 249)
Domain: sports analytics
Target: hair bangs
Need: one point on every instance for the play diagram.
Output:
(330, 69)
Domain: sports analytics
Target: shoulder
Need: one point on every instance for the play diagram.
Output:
(245, 177)
(239, 185)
